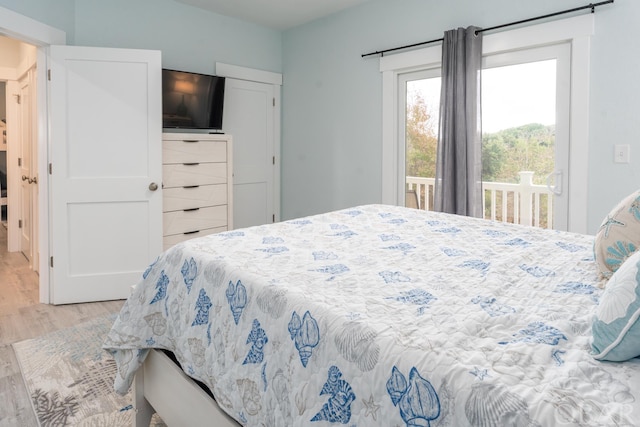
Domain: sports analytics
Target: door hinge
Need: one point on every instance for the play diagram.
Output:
(19, 161)
(273, 218)
(49, 74)
(50, 169)
(274, 101)
(19, 223)
(274, 160)
(17, 99)
(51, 262)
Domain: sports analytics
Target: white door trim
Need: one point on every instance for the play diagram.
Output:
(275, 79)
(13, 185)
(28, 30)
(244, 73)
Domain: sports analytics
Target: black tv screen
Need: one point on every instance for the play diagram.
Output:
(192, 100)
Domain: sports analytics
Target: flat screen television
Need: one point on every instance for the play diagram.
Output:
(192, 100)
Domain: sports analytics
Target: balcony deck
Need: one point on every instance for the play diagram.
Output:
(523, 203)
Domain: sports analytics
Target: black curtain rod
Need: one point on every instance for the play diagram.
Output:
(591, 6)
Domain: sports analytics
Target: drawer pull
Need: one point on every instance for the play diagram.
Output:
(191, 186)
(191, 164)
(191, 232)
(191, 210)
(190, 140)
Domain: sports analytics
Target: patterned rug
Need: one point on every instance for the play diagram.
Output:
(70, 378)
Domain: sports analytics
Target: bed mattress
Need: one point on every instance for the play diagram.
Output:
(383, 316)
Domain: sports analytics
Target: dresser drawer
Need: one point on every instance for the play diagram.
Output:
(193, 150)
(177, 222)
(174, 239)
(185, 175)
(180, 198)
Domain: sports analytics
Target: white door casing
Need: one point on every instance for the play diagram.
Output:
(252, 117)
(13, 171)
(105, 153)
(24, 127)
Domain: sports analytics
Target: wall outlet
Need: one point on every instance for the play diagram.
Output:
(621, 153)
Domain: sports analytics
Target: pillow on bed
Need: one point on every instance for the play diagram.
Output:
(618, 236)
(615, 328)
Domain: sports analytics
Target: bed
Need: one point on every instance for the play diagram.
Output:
(374, 316)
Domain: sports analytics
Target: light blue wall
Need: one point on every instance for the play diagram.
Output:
(190, 38)
(332, 97)
(615, 107)
(56, 13)
(331, 135)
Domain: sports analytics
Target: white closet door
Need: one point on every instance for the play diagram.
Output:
(105, 153)
(249, 118)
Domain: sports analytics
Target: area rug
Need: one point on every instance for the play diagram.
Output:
(70, 378)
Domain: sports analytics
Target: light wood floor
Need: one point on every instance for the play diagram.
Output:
(22, 317)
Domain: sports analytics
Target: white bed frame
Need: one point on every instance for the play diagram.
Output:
(161, 386)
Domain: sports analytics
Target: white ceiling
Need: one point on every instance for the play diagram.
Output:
(277, 14)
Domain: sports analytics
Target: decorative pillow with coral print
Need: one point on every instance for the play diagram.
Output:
(615, 328)
(619, 236)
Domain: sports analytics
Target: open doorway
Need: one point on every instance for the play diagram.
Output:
(39, 36)
(19, 165)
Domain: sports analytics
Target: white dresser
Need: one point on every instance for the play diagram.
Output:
(197, 185)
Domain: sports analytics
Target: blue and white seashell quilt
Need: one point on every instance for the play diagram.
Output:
(383, 316)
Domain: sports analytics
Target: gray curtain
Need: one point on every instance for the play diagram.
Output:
(458, 187)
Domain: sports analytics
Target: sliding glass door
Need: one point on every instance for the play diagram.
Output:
(525, 122)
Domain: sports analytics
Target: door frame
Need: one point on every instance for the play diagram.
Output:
(561, 53)
(30, 31)
(275, 79)
(577, 31)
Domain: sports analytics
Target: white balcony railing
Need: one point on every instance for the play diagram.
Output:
(523, 203)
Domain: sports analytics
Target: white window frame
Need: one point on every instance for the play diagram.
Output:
(403, 78)
(575, 31)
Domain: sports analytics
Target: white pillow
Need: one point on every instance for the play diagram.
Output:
(615, 328)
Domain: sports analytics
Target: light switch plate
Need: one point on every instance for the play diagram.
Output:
(621, 153)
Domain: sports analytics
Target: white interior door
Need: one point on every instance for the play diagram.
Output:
(28, 167)
(105, 153)
(249, 118)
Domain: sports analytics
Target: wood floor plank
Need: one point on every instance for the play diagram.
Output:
(15, 404)
(23, 317)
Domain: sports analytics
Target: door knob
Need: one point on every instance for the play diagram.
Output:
(153, 186)
(25, 178)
